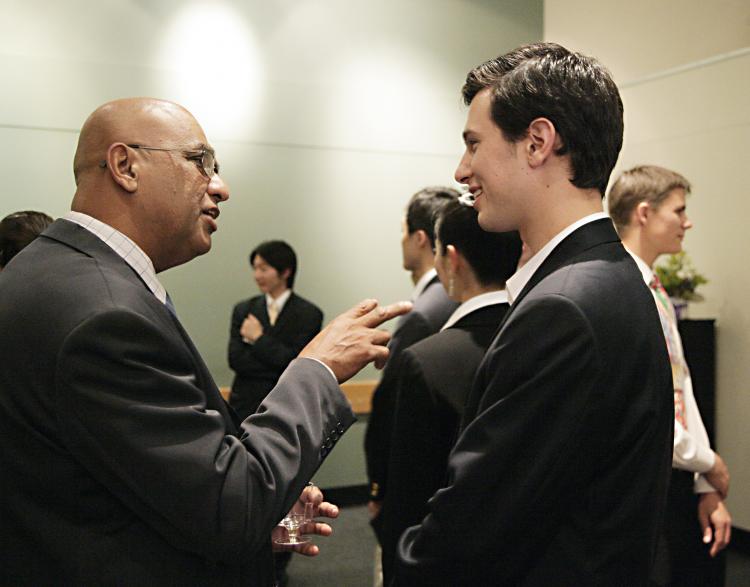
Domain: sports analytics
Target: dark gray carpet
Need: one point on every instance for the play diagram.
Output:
(345, 559)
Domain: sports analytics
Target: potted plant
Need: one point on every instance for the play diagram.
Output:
(680, 280)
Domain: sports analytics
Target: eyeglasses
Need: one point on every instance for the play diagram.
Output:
(204, 158)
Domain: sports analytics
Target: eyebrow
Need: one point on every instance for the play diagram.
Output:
(467, 133)
(197, 147)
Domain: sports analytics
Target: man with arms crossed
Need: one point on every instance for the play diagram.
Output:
(121, 464)
(647, 205)
(561, 472)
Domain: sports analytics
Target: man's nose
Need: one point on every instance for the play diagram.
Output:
(217, 188)
(462, 171)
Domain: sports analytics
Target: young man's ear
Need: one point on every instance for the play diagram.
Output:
(422, 239)
(641, 213)
(285, 275)
(542, 141)
(122, 166)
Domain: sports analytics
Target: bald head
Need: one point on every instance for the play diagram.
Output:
(141, 167)
(128, 120)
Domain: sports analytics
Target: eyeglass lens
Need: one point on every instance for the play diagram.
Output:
(210, 166)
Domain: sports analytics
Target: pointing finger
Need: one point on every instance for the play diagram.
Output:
(380, 314)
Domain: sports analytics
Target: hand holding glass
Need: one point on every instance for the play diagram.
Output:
(293, 524)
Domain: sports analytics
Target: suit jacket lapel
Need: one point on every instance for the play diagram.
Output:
(77, 237)
(582, 239)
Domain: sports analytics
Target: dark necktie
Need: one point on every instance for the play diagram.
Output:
(170, 306)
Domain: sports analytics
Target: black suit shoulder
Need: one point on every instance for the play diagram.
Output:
(434, 380)
(455, 353)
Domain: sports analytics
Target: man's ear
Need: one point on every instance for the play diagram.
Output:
(122, 167)
(422, 239)
(641, 213)
(541, 141)
(285, 275)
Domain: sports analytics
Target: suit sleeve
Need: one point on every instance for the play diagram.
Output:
(519, 461)
(380, 425)
(416, 466)
(273, 351)
(135, 415)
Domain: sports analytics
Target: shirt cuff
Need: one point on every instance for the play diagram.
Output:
(326, 366)
(701, 485)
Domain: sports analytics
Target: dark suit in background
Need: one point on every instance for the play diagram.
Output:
(431, 310)
(434, 382)
(257, 366)
(121, 464)
(560, 476)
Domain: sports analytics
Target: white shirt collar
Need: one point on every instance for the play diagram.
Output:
(648, 273)
(130, 252)
(422, 284)
(472, 304)
(280, 301)
(520, 278)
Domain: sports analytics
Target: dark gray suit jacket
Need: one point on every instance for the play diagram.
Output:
(258, 366)
(560, 476)
(121, 464)
(431, 310)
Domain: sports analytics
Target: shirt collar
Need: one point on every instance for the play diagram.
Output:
(125, 248)
(648, 274)
(472, 304)
(520, 278)
(422, 284)
(280, 301)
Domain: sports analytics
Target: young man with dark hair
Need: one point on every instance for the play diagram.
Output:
(268, 331)
(647, 204)
(432, 307)
(560, 474)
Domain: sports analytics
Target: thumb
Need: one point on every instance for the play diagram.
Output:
(706, 527)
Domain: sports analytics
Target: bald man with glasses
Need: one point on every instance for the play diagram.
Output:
(121, 463)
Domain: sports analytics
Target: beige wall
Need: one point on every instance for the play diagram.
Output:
(326, 116)
(684, 71)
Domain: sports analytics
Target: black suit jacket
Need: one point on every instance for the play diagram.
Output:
(121, 464)
(560, 476)
(434, 381)
(258, 366)
(431, 310)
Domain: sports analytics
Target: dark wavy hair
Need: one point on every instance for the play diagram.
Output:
(574, 92)
(17, 230)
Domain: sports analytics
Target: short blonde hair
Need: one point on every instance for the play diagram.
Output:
(645, 183)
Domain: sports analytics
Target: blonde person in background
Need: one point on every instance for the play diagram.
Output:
(647, 205)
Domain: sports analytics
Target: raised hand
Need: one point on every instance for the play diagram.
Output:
(352, 339)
